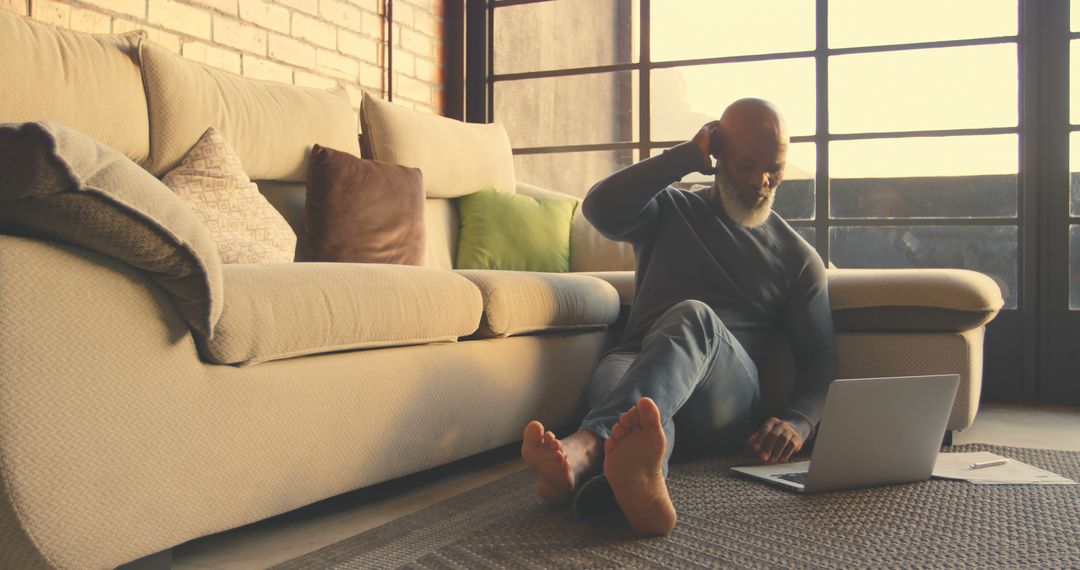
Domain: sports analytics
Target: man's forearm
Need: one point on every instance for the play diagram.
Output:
(617, 204)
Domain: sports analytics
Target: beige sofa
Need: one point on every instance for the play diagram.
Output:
(118, 440)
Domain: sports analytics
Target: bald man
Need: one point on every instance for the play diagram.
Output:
(718, 278)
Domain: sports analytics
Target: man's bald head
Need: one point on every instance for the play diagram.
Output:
(754, 120)
(753, 152)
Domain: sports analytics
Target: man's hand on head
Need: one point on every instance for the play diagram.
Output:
(709, 139)
(776, 440)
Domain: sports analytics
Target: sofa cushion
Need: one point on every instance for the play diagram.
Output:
(63, 76)
(59, 184)
(456, 158)
(243, 224)
(271, 125)
(521, 302)
(507, 231)
(363, 211)
(275, 311)
(912, 299)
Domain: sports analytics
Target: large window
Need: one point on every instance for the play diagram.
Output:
(912, 145)
(906, 124)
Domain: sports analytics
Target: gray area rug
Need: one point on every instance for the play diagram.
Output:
(728, 521)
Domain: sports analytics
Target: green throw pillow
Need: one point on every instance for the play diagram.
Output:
(513, 232)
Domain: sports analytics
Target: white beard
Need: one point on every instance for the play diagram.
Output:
(737, 210)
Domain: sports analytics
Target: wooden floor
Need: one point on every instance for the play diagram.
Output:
(284, 537)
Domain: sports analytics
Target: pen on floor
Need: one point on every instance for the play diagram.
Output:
(991, 463)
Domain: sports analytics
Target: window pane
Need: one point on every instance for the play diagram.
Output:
(808, 234)
(1074, 167)
(692, 29)
(924, 177)
(571, 173)
(988, 249)
(1074, 11)
(1074, 80)
(1074, 268)
(948, 88)
(795, 195)
(604, 32)
(685, 98)
(861, 23)
(576, 109)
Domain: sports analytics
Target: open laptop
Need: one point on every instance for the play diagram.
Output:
(873, 431)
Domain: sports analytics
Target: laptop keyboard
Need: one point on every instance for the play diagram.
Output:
(799, 477)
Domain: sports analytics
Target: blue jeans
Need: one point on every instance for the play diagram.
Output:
(693, 367)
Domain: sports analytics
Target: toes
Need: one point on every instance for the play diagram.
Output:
(533, 434)
(609, 444)
(635, 417)
(549, 437)
(648, 413)
(556, 445)
(617, 432)
(626, 420)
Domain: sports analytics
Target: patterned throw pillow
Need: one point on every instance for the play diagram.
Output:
(245, 227)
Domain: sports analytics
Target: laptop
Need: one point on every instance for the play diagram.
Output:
(873, 431)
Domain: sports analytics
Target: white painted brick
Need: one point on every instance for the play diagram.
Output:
(428, 71)
(358, 46)
(372, 24)
(371, 77)
(90, 21)
(404, 62)
(342, 14)
(227, 6)
(14, 6)
(289, 50)
(305, 79)
(369, 5)
(135, 8)
(258, 68)
(410, 88)
(309, 6)
(314, 31)
(212, 56)
(234, 33)
(159, 37)
(264, 14)
(404, 14)
(425, 23)
(180, 18)
(55, 13)
(418, 43)
(337, 65)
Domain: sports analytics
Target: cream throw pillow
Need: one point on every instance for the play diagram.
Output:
(245, 227)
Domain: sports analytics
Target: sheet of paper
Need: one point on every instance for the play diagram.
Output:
(958, 466)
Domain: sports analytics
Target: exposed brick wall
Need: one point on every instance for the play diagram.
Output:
(311, 43)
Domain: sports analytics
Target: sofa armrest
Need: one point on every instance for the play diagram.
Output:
(912, 299)
(589, 251)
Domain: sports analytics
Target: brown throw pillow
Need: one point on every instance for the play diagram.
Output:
(363, 211)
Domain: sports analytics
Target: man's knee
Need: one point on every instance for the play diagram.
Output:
(695, 314)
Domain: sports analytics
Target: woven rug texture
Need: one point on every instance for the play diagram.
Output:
(728, 521)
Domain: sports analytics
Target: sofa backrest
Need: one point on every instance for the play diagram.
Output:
(153, 105)
(272, 126)
(90, 83)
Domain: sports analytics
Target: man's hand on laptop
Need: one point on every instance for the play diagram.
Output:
(776, 440)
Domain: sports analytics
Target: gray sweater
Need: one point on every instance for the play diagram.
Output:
(761, 282)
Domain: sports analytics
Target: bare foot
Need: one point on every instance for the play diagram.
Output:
(633, 458)
(545, 455)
